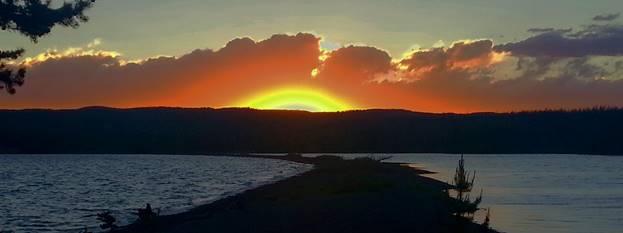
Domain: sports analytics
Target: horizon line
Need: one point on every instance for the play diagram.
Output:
(593, 108)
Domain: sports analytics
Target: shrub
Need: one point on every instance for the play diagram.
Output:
(146, 215)
(485, 224)
(108, 221)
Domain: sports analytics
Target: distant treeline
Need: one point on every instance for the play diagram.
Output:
(203, 131)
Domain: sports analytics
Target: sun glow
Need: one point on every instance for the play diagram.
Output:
(296, 99)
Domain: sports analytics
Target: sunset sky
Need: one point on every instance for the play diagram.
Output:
(421, 55)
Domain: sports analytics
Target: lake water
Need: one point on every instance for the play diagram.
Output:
(541, 193)
(61, 193)
(526, 193)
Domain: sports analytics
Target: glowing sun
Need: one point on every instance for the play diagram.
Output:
(296, 99)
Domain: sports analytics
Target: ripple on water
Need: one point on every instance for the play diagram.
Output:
(62, 193)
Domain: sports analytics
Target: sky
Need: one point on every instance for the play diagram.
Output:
(421, 55)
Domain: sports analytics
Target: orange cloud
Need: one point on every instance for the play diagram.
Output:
(467, 55)
(460, 78)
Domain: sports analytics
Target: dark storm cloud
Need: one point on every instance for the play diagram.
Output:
(592, 40)
(606, 17)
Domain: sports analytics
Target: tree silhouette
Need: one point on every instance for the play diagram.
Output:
(34, 19)
(463, 184)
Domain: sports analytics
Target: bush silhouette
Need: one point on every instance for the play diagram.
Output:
(108, 221)
(485, 223)
(146, 215)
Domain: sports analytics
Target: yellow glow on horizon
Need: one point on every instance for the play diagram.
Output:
(296, 98)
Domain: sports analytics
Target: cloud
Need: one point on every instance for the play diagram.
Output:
(593, 40)
(88, 51)
(466, 76)
(454, 90)
(540, 30)
(544, 30)
(535, 84)
(354, 64)
(80, 77)
(466, 56)
(606, 17)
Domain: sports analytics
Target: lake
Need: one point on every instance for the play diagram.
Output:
(526, 193)
(540, 193)
(62, 193)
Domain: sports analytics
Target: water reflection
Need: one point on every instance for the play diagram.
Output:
(540, 193)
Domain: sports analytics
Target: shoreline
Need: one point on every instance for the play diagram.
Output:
(336, 195)
(238, 191)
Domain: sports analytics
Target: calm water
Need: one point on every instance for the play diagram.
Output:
(61, 193)
(541, 193)
(527, 193)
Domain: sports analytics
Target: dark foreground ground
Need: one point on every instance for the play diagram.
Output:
(336, 196)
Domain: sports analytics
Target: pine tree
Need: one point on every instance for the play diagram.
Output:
(33, 19)
(463, 184)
